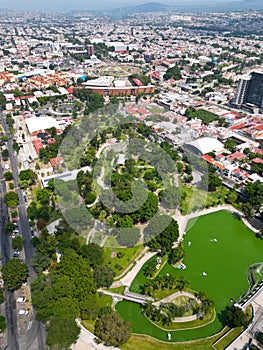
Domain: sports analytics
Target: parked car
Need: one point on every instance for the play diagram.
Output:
(21, 300)
(23, 312)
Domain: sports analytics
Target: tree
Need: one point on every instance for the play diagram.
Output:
(90, 197)
(2, 100)
(5, 154)
(128, 236)
(176, 254)
(41, 262)
(161, 241)
(182, 284)
(236, 317)
(150, 269)
(27, 178)
(171, 197)
(11, 199)
(89, 308)
(260, 337)
(254, 190)
(2, 298)
(14, 273)
(9, 227)
(173, 72)
(103, 276)
(112, 329)
(232, 197)
(62, 333)
(2, 324)
(43, 196)
(230, 145)
(93, 253)
(8, 175)
(248, 210)
(17, 243)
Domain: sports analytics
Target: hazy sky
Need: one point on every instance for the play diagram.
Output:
(93, 4)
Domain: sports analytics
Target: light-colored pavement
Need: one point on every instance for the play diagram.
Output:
(256, 325)
(183, 220)
(127, 280)
(86, 341)
(176, 295)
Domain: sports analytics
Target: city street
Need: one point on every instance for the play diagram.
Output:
(34, 338)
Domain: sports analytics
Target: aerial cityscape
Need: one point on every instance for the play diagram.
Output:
(131, 175)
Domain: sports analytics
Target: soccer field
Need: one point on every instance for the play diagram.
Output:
(222, 247)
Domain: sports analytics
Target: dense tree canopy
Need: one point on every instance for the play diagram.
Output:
(14, 273)
(11, 199)
(236, 317)
(254, 191)
(169, 233)
(27, 178)
(103, 276)
(112, 329)
(61, 333)
(173, 72)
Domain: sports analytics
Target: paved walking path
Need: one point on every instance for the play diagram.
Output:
(127, 280)
(176, 295)
(183, 220)
(86, 341)
(129, 267)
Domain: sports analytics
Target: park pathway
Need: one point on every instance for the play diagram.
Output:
(127, 280)
(182, 220)
(176, 295)
(182, 223)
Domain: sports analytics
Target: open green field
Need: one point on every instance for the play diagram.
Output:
(119, 264)
(226, 263)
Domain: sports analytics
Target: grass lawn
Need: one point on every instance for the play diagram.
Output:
(195, 198)
(226, 263)
(118, 290)
(136, 341)
(209, 317)
(228, 338)
(129, 254)
(104, 300)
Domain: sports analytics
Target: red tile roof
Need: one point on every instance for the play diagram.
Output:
(257, 160)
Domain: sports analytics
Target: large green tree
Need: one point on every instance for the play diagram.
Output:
(112, 329)
(14, 273)
(236, 317)
(17, 243)
(61, 333)
(11, 199)
(103, 276)
(254, 191)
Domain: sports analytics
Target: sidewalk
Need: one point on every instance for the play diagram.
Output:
(86, 341)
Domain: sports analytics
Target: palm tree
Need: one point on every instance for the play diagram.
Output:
(148, 308)
(182, 283)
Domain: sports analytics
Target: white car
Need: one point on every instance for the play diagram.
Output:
(23, 312)
(21, 300)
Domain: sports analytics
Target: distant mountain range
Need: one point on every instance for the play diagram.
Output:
(181, 5)
(143, 8)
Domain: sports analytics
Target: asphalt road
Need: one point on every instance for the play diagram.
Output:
(28, 248)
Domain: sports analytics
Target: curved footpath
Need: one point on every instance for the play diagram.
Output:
(86, 338)
(183, 220)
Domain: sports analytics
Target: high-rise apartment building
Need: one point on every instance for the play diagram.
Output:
(250, 90)
(254, 92)
(241, 91)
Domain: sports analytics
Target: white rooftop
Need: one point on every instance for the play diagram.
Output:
(40, 123)
(207, 145)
